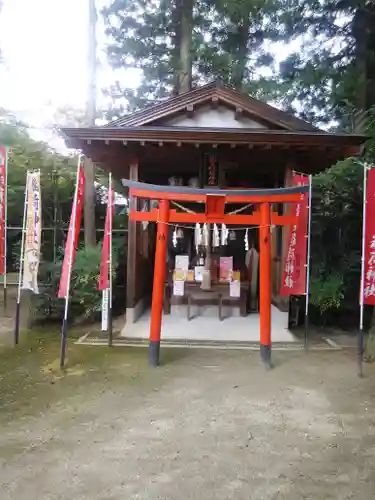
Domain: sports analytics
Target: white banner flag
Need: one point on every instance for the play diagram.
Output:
(33, 231)
(105, 309)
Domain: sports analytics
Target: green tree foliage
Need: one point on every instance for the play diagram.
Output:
(337, 232)
(85, 298)
(333, 73)
(328, 78)
(142, 34)
(336, 236)
(234, 42)
(58, 176)
(228, 43)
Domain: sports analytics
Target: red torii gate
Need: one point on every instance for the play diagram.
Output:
(215, 200)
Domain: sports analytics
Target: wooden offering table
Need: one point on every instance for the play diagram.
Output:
(218, 294)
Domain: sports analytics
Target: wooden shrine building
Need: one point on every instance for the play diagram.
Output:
(211, 137)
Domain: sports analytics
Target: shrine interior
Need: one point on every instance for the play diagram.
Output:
(224, 168)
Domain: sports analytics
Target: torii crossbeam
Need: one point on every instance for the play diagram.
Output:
(215, 200)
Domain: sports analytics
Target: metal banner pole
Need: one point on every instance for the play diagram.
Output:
(5, 231)
(64, 329)
(308, 264)
(22, 256)
(362, 293)
(55, 205)
(110, 326)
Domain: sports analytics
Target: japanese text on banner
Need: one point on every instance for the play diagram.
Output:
(369, 254)
(33, 233)
(104, 264)
(294, 271)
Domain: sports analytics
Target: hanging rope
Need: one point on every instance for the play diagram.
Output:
(243, 228)
(199, 233)
(181, 207)
(241, 209)
(189, 211)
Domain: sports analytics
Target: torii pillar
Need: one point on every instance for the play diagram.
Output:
(215, 200)
(265, 283)
(158, 286)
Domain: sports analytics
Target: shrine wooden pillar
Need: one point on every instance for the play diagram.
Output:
(265, 283)
(131, 268)
(159, 279)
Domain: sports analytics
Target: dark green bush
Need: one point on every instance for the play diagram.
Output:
(327, 293)
(85, 298)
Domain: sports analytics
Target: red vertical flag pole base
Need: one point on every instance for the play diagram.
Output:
(111, 214)
(70, 250)
(308, 237)
(367, 289)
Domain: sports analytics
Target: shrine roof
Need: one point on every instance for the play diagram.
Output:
(213, 94)
(211, 116)
(212, 135)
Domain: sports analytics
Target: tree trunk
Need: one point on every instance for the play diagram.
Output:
(359, 34)
(89, 209)
(185, 44)
(176, 44)
(239, 67)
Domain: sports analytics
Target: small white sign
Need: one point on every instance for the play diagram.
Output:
(105, 296)
(198, 273)
(235, 288)
(182, 262)
(178, 288)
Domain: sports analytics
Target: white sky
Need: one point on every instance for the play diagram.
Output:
(44, 45)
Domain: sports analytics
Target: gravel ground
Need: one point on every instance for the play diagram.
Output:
(206, 425)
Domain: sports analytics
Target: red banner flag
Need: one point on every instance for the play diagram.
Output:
(294, 272)
(104, 264)
(369, 250)
(3, 188)
(74, 227)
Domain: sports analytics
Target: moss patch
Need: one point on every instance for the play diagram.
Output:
(31, 380)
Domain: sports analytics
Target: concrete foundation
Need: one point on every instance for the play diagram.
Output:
(134, 313)
(207, 327)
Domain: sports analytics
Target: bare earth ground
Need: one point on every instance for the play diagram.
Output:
(206, 425)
